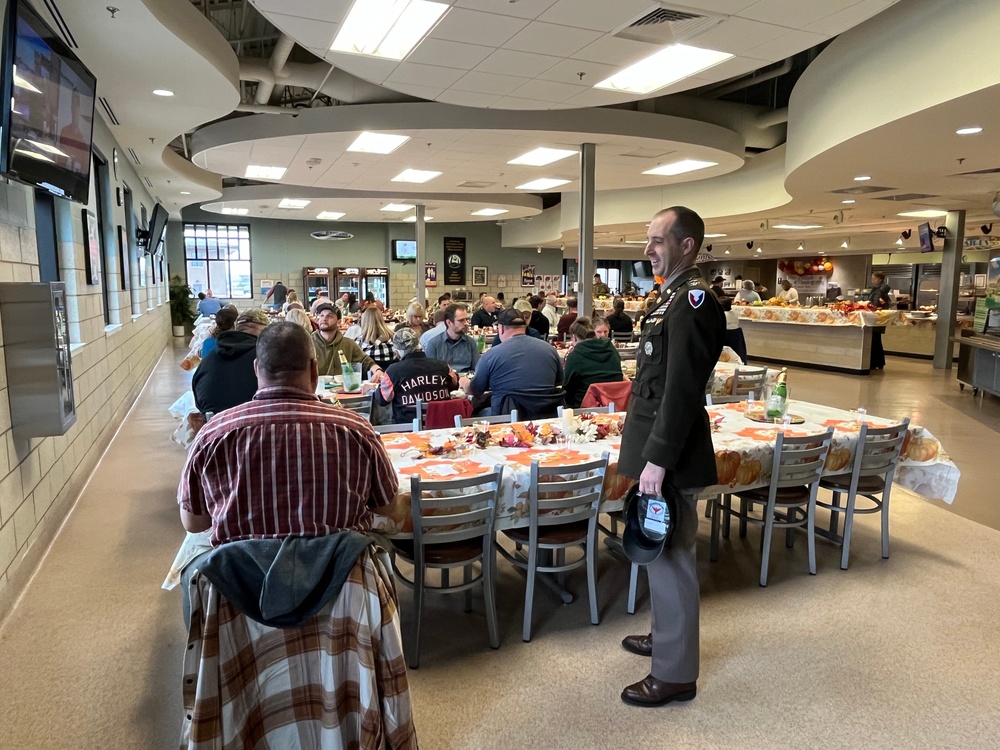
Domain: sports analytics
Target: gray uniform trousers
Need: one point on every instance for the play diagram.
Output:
(675, 600)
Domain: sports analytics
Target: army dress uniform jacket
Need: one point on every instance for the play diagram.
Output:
(667, 425)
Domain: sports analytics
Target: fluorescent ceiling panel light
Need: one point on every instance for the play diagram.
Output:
(397, 207)
(849, 201)
(971, 130)
(330, 215)
(416, 175)
(185, 192)
(680, 167)
(293, 203)
(862, 178)
(236, 211)
(670, 64)
(714, 236)
(544, 183)
(163, 92)
(33, 154)
(636, 242)
(260, 172)
(47, 147)
(797, 226)
(542, 156)
(927, 214)
(413, 219)
(490, 212)
(386, 28)
(377, 143)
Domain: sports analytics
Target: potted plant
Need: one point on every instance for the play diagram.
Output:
(181, 314)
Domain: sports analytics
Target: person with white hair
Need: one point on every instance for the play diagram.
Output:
(747, 294)
(549, 311)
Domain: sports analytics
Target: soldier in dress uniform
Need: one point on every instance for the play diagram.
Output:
(668, 440)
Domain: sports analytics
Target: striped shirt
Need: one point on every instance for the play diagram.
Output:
(286, 464)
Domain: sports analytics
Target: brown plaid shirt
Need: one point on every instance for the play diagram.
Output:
(337, 681)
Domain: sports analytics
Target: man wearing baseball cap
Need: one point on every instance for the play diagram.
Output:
(330, 342)
(225, 377)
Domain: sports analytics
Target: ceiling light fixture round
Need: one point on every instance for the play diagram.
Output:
(163, 92)
(970, 130)
(862, 178)
(848, 201)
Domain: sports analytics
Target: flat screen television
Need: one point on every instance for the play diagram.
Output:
(154, 232)
(926, 238)
(47, 116)
(404, 250)
(642, 268)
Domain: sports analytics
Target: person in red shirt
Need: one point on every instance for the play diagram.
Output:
(568, 319)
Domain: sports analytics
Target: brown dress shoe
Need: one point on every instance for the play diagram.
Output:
(639, 644)
(654, 692)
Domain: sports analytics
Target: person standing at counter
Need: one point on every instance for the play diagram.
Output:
(747, 294)
(667, 443)
(880, 297)
(788, 293)
(720, 294)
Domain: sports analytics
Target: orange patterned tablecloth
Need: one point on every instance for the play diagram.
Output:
(817, 316)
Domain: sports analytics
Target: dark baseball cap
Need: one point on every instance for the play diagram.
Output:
(326, 306)
(511, 317)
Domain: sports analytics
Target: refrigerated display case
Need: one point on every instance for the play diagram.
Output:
(376, 281)
(346, 279)
(315, 278)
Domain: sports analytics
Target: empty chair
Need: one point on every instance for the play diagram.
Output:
(788, 502)
(499, 419)
(875, 460)
(602, 394)
(536, 403)
(562, 515)
(382, 429)
(359, 404)
(590, 409)
(621, 336)
(453, 523)
(745, 382)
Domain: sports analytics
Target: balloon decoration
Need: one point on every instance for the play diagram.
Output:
(801, 267)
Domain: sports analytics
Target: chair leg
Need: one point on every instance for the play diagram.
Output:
(560, 560)
(445, 578)
(848, 530)
(765, 551)
(790, 531)
(727, 506)
(529, 592)
(489, 595)
(418, 610)
(713, 549)
(633, 585)
(811, 532)
(885, 522)
(744, 508)
(467, 578)
(835, 514)
(592, 572)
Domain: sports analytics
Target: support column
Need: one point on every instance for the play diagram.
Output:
(585, 256)
(951, 266)
(421, 239)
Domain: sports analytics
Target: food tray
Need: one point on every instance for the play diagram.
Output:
(758, 416)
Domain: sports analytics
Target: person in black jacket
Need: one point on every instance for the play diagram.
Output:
(618, 321)
(226, 378)
(667, 442)
(538, 320)
(415, 376)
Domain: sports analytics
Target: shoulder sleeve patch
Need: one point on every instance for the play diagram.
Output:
(696, 297)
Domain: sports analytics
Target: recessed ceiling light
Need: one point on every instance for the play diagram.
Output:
(899, 241)
(680, 167)
(413, 219)
(397, 207)
(330, 215)
(416, 175)
(760, 249)
(260, 172)
(377, 143)
(293, 203)
(163, 92)
(845, 244)
(848, 201)
(971, 130)
(490, 212)
(185, 192)
(713, 236)
(670, 64)
(236, 211)
(801, 247)
(727, 251)
(926, 214)
(797, 226)
(386, 28)
(862, 178)
(542, 156)
(544, 183)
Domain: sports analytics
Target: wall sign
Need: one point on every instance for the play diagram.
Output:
(479, 275)
(454, 261)
(330, 234)
(527, 274)
(430, 274)
(93, 247)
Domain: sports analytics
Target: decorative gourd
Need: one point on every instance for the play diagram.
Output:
(837, 459)
(748, 472)
(922, 449)
(726, 464)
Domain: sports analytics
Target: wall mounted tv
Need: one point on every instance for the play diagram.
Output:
(642, 269)
(151, 237)
(926, 238)
(404, 250)
(47, 115)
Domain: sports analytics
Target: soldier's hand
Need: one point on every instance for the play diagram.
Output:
(651, 479)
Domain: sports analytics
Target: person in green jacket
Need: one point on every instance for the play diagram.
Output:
(592, 360)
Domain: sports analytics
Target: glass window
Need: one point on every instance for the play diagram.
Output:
(217, 257)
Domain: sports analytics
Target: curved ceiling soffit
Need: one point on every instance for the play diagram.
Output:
(886, 69)
(543, 230)
(432, 115)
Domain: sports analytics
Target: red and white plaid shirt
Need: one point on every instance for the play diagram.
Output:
(286, 464)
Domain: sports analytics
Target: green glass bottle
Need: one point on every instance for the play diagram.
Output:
(777, 405)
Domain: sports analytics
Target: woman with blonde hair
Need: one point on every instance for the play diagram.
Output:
(375, 338)
(298, 315)
(291, 299)
(415, 319)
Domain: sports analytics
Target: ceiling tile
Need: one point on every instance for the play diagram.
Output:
(723, 7)
(793, 15)
(509, 62)
(423, 92)
(308, 32)
(424, 75)
(519, 8)
(848, 18)
(613, 51)
(548, 91)
(371, 69)
(568, 72)
(468, 98)
(510, 102)
(489, 83)
(551, 39)
(737, 35)
(785, 46)
(449, 54)
(596, 98)
(596, 14)
(323, 10)
(488, 29)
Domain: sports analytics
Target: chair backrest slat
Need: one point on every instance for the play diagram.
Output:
(471, 515)
(385, 429)
(575, 499)
(469, 498)
(879, 450)
(747, 380)
(799, 460)
(498, 419)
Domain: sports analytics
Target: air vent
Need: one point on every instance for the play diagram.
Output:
(112, 118)
(134, 155)
(862, 190)
(648, 153)
(474, 184)
(663, 15)
(905, 197)
(995, 170)
(148, 183)
(60, 23)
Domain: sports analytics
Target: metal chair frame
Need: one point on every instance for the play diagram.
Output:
(745, 382)
(498, 419)
(609, 409)
(382, 429)
(360, 404)
(622, 336)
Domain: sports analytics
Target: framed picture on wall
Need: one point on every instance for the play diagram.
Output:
(92, 244)
(479, 275)
(980, 281)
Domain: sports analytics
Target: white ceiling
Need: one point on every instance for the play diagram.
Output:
(530, 54)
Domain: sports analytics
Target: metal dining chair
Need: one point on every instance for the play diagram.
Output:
(360, 404)
(787, 502)
(745, 382)
(453, 528)
(562, 515)
(622, 336)
(498, 419)
(875, 460)
(609, 409)
(383, 429)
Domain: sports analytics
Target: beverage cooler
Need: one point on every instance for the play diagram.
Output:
(314, 279)
(346, 279)
(376, 281)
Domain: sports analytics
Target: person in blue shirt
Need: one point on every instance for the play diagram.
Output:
(208, 305)
(454, 346)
